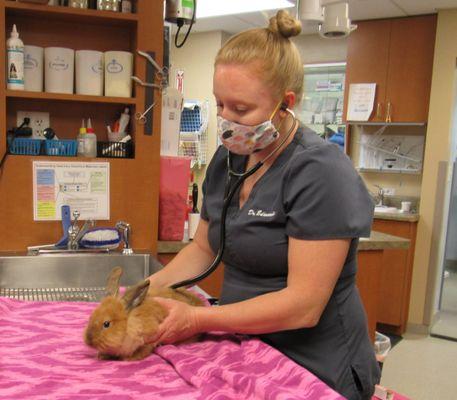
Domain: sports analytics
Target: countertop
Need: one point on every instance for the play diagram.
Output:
(376, 241)
(403, 217)
(383, 241)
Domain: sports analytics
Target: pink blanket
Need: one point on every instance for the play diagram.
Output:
(43, 356)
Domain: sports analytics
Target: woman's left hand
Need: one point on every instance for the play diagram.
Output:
(178, 325)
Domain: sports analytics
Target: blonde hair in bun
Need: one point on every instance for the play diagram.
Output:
(280, 63)
(284, 24)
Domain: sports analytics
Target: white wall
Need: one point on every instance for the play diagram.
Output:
(196, 59)
(197, 56)
(314, 49)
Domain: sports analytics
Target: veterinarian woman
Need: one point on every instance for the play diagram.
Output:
(292, 229)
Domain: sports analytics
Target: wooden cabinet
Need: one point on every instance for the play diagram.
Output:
(134, 183)
(396, 276)
(367, 59)
(397, 55)
(368, 277)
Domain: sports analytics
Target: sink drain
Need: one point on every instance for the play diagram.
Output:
(54, 294)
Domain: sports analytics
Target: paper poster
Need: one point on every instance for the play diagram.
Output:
(360, 101)
(84, 186)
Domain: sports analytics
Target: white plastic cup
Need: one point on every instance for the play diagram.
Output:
(116, 136)
(89, 72)
(59, 69)
(194, 219)
(118, 73)
(33, 68)
(406, 206)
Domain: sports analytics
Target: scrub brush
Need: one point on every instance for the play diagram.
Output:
(101, 238)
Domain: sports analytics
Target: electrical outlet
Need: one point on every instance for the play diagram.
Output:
(39, 121)
(389, 191)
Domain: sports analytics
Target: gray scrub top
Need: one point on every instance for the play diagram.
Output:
(311, 192)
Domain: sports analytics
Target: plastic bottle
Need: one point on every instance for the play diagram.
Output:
(126, 6)
(81, 139)
(90, 141)
(15, 55)
(124, 121)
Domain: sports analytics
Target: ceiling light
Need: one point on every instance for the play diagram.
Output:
(336, 22)
(213, 8)
(310, 10)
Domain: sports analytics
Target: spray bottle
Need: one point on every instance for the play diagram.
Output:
(15, 56)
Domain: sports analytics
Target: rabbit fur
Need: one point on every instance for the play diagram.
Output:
(122, 326)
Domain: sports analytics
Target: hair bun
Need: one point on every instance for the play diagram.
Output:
(284, 24)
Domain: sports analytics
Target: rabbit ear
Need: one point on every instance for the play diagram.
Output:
(135, 295)
(112, 284)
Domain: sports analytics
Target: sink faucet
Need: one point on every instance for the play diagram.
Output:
(75, 233)
(380, 196)
(125, 230)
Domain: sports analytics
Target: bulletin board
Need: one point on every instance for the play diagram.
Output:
(84, 186)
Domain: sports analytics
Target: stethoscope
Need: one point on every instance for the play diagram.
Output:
(238, 179)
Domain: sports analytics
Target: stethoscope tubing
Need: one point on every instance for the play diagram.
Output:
(225, 206)
(229, 193)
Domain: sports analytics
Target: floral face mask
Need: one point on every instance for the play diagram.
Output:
(245, 139)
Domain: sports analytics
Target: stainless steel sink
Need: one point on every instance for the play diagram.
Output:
(78, 270)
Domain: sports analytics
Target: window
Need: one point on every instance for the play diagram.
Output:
(322, 106)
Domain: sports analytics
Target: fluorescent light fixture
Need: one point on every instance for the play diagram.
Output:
(321, 65)
(213, 8)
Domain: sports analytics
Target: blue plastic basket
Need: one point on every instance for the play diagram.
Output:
(190, 120)
(24, 146)
(61, 147)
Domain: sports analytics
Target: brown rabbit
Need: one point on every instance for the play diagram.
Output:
(121, 327)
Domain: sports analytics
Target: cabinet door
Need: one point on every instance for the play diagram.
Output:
(396, 275)
(367, 61)
(409, 76)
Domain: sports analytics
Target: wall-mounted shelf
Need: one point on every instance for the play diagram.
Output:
(22, 94)
(389, 171)
(82, 29)
(397, 155)
(357, 123)
(69, 14)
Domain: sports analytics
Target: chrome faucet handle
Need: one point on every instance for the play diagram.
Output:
(76, 215)
(89, 223)
(72, 234)
(125, 230)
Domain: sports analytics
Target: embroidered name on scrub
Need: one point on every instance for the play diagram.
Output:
(261, 213)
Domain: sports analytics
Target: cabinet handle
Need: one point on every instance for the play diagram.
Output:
(389, 112)
(378, 111)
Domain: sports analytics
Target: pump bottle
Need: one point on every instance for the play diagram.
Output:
(15, 57)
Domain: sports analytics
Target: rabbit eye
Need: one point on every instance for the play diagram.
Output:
(106, 324)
